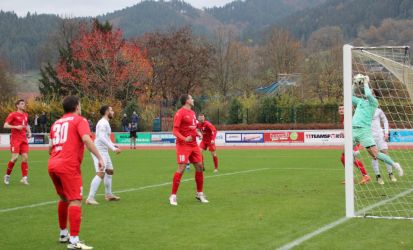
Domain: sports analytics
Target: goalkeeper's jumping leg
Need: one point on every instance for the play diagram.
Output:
(374, 152)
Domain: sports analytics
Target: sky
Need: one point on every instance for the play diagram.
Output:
(76, 8)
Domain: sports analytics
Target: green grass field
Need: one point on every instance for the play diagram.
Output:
(261, 199)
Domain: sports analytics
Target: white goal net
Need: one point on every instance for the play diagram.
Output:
(391, 79)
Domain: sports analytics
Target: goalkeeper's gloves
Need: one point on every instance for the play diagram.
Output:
(366, 80)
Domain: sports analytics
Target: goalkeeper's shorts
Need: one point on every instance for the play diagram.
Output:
(363, 136)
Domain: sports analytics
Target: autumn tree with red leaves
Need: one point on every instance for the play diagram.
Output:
(99, 63)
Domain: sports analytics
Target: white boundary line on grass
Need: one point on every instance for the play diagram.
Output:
(338, 222)
(186, 180)
(5, 210)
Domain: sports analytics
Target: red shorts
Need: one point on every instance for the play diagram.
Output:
(67, 185)
(19, 147)
(185, 154)
(209, 146)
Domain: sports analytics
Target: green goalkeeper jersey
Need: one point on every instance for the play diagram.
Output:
(365, 109)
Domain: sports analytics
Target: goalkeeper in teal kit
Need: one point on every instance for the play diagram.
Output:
(362, 119)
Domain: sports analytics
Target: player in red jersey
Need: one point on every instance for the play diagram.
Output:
(68, 136)
(209, 133)
(18, 123)
(356, 151)
(187, 149)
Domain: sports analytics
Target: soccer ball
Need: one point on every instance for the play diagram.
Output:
(360, 79)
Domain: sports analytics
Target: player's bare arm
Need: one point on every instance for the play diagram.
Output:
(29, 131)
(214, 134)
(8, 126)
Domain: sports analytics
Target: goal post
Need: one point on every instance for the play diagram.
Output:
(348, 130)
(391, 79)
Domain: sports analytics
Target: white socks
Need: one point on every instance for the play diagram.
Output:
(108, 184)
(389, 168)
(94, 186)
(63, 232)
(74, 239)
(375, 164)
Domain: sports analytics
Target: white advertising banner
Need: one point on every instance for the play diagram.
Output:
(233, 137)
(327, 137)
(4, 140)
(220, 139)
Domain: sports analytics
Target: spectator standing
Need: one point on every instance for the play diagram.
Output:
(125, 123)
(36, 123)
(133, 129)
(135, 118)
(43, 122)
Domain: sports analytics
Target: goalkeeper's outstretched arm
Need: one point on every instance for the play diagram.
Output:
(368, 93)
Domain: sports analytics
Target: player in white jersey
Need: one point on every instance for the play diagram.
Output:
(103, 144)
(381, 136)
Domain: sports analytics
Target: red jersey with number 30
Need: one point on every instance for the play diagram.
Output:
(185, 122)
(16, 119)
(209, 132)
(67, 145)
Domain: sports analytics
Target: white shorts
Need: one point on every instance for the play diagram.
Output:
(106, 160)
(380, 142)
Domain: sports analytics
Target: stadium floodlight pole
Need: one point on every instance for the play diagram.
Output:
(348, 130)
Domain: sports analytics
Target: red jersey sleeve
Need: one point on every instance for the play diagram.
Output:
(177, 126)
(83, 128)
(213, 130)
(177, 120)
(10, 118)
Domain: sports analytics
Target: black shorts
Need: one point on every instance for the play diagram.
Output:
(133, 134)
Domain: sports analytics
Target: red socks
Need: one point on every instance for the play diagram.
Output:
(62, 213)
(10, 166)
(360, 166)
(343, 159)
(357, 163)
(216, 162)
(75, 218)
(25, 168)
(199, 179)
(175, 182)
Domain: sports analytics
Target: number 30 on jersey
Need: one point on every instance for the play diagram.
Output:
(60, 133)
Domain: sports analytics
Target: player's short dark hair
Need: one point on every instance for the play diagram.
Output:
(70, 103)
(183, 99)
(103, 109)
(201, 114)
(18, 102)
